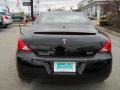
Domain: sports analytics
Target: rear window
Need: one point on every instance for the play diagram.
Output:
(62, 18)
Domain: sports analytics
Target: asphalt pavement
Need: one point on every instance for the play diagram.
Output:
(10, 81)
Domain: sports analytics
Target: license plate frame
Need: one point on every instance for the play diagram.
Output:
(64, 67)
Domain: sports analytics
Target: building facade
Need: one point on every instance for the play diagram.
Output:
(95, 8)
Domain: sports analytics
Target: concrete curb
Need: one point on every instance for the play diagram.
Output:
(108, 31)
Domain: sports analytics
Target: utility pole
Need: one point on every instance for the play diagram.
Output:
(38, 3)
(32, 10)
(6, 4)
(38, 7)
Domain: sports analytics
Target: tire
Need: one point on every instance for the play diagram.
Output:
(23, 79)
(2, 26)
(106, 72)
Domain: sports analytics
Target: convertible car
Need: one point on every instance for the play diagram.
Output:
(63, 44)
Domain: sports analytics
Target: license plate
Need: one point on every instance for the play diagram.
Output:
(64, 67)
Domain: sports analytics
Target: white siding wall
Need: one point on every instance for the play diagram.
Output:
(92, 10)
(98, 11)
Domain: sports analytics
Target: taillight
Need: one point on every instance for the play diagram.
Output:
(106, 47)
(22, 46)
(6, 17)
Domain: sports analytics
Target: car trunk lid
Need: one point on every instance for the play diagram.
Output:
(64, 44)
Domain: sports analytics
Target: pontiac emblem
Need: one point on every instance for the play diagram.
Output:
(64, 41)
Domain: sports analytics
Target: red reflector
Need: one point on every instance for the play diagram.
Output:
(6, 17)
(107, 47)
(22, 46)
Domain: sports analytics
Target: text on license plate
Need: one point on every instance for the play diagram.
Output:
(64, 67)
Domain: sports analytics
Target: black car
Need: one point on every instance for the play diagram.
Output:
(16, 18)
(63, 44)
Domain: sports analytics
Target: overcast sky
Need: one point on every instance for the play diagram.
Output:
(43, 4)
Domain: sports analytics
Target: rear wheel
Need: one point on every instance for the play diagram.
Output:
(1, 24)
(98, 71)
(23, 79)
(1, 27)
(106, 72)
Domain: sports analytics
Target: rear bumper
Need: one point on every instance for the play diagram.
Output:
(34, 67)
(5, 24)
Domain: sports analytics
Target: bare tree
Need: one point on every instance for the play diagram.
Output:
(112, 10)
(117, 9)
(115, 13)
